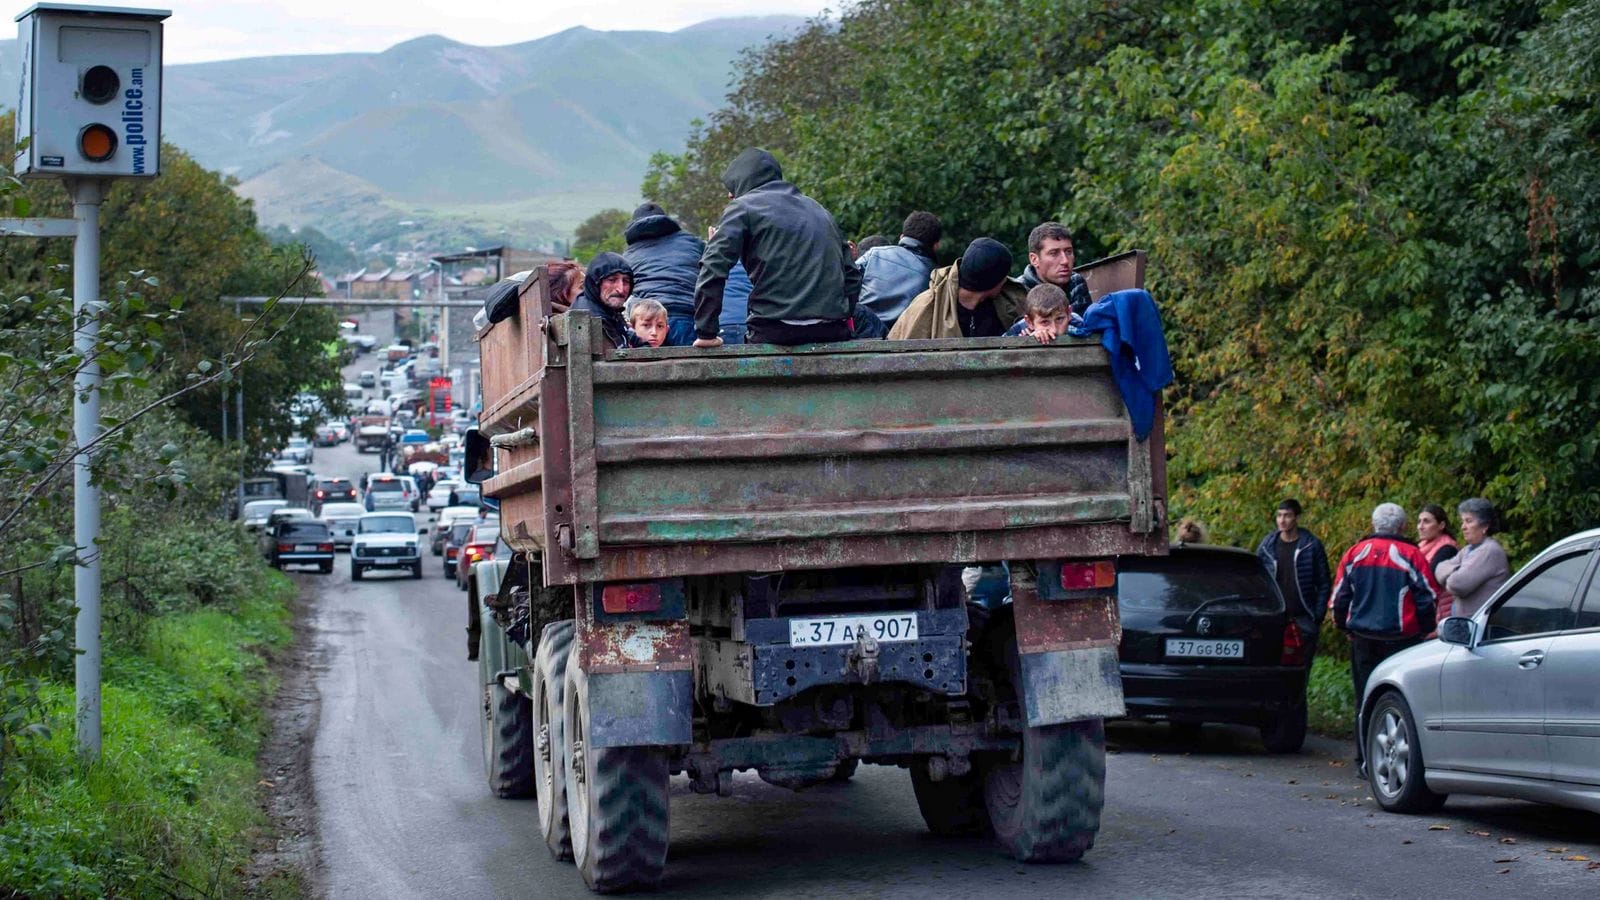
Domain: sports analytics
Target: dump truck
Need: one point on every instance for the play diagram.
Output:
(751, 559)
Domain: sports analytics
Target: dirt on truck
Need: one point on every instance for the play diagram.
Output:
(752, 558)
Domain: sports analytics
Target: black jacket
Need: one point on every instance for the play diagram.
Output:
(616, 329)
(665, 260)
(799, 265)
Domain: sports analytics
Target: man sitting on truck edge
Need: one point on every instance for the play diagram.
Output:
(665, 260)
(1050, 260)
(970, 298)
(804, 283)
(606, 285)
(892, 276)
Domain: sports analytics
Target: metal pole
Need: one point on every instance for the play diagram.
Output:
(238, 401)
(86, 196)
(444, 328)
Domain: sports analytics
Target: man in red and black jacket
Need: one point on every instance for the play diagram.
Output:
(1385, 597)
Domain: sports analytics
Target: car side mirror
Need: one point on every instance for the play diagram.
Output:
(479, 457)
(1458, 630)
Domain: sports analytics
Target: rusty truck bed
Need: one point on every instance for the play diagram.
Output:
(635, 464)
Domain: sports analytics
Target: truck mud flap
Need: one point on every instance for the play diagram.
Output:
(1067, 646)
(641, 688)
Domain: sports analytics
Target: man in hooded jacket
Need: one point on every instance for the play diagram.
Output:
(804, 281)
(607, 283)
(665, 260)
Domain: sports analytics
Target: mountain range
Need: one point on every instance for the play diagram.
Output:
(434, 140)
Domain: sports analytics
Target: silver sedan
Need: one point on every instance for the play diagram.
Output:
(1504, 703)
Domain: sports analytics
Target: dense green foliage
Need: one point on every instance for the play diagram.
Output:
(1373, 227)
(600, 233)
(170, 809)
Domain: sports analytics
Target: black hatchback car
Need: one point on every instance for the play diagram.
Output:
(299, 542)
(1206, 638)
(333, 490)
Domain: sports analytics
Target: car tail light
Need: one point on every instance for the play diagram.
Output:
(450, 552)
(325, 548)
(1294, 646)
(1088, 576)
(631, 598)
(321, 494)
(285, 548)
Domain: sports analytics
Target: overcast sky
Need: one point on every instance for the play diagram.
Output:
(202, 30)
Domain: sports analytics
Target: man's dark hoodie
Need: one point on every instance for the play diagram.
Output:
(603, 266)
(665, 259)
(798, 261)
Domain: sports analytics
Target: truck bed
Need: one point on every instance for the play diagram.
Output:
(655, 463)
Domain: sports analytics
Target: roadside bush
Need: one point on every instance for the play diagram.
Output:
(170, 807)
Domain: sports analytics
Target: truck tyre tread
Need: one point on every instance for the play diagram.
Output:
(507, 723)
(619, 840)
(952, 806)
(1045, 805)
(550, 771)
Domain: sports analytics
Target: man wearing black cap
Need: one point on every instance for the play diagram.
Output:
(804, 282)
(607, 282)
(665, 260)
(972, 298)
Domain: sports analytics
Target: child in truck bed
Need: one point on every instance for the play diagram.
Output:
(648, 319)
(1045, 314)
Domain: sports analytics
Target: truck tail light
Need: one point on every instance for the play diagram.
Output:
(1294, 646)
(631, 598)
(1088, 576)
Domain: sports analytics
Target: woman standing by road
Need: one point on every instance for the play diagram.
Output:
(1474, 574)
(1436, 543)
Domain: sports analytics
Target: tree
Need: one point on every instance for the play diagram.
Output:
(600, 233)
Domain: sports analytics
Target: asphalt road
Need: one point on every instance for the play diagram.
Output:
(403, 810)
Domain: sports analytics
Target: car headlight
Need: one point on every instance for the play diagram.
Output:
(411, 548)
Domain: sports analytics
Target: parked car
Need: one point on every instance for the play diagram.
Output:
(447, 517)
(1206, 638)
(299, 542)
(1504, 702)
(332, 490)
(367, 379)
(479, 546)
(387, 541)
(342, 519)
(439, 496)
(256, 512)
(453, 538)
(388, 492)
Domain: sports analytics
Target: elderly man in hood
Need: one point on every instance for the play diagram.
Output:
(971, 298)
(804, 283)
(665, 260)
(607, 284)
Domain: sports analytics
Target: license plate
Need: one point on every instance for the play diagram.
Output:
(848, 629)
(386, 562)
(305, 548)
(1205, 649)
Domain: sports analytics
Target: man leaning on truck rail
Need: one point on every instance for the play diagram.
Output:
(804, 281)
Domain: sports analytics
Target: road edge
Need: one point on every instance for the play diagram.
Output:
(289, 853)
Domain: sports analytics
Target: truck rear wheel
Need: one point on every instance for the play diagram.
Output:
(507, 724)
(549, 730)
(1044, 804)
(953, 805)
(616, 802)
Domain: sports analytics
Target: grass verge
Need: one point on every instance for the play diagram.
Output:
(1329, 698)
(171, 807)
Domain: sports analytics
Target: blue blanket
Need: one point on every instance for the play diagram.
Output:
(1129, 326)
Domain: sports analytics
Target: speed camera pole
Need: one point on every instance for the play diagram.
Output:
(88, 113)
(86, 196)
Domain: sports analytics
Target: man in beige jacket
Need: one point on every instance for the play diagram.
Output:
(971, 298)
